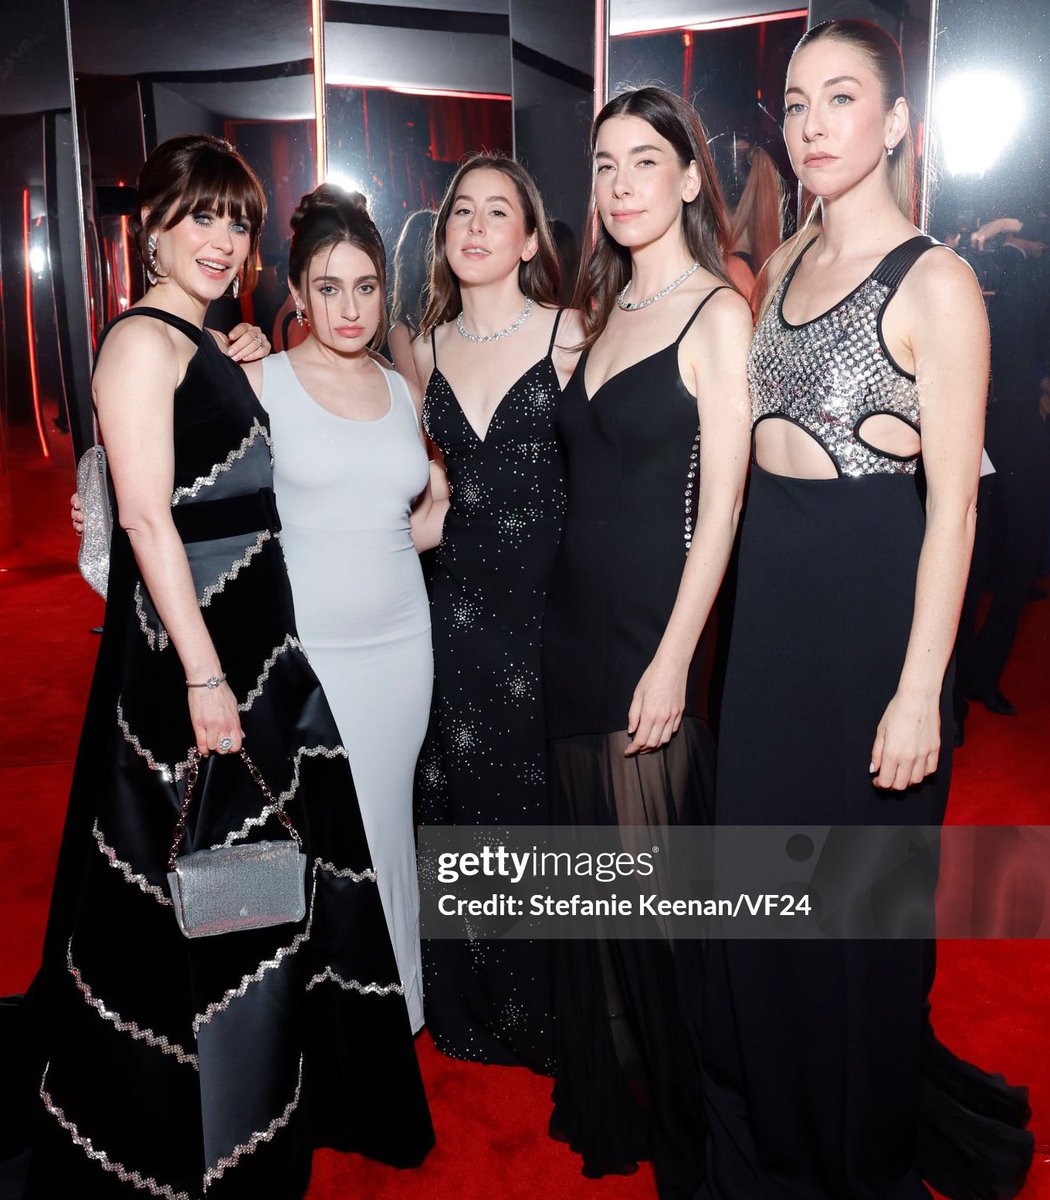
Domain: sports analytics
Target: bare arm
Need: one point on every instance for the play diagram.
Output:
(400, 342)
(715, 355)
(944, 310)
(428, 515)
(134, 385)
(423, 360)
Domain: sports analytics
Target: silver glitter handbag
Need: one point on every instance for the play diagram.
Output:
(230, 888)
(93, 489)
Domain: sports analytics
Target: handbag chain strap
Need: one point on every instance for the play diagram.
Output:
(191, 783)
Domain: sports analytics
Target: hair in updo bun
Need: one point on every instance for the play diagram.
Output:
(325, 218)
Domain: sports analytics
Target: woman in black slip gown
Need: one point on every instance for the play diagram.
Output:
(492, 359)
(656, 411)
(823, 1078)
(176, 1067)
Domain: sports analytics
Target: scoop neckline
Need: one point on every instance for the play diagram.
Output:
(338, 416)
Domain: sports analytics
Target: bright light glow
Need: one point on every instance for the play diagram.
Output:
(346, 182)
(977, 114)
(37, 260)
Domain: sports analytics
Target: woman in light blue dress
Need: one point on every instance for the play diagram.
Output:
(351, 479)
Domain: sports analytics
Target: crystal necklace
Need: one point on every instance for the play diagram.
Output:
(500, 334)
(629, 306)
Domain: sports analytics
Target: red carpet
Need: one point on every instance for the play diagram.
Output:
(991, 1001)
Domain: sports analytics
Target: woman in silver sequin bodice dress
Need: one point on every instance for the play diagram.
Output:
(493, 362)
(838, 684)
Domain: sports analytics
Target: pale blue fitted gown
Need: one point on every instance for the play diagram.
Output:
(344, 490)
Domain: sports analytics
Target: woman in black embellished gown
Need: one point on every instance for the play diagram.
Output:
(178, 1067)
(823, 1078)
(656, 413)
(492, 362)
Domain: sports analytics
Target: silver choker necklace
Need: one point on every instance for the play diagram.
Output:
(530, 304)
(629, 306)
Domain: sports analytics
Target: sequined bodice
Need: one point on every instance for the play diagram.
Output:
(831, 374)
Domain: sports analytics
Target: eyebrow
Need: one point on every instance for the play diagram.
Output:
(827, 83)
(633, 150)
(339, 279)
(488, 199)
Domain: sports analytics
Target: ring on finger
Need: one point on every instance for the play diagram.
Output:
(225, 745)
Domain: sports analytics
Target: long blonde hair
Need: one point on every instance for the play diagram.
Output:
(884, 56)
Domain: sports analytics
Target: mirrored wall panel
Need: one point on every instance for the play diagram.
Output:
(42, 333)
(991, 137)
(191, 68)
(553, 51)
(409, 91)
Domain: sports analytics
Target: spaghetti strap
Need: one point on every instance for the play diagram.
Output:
(696, 312)
(554, 331)
(434, 345)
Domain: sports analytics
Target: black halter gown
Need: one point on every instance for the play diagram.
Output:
(172, 1067)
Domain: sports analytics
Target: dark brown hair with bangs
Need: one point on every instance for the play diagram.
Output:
(538, 278)
(198, 173)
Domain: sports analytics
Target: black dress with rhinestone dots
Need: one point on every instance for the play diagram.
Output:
(823, 1078)
(627, 1061)
(484, 760)
(175, 1068)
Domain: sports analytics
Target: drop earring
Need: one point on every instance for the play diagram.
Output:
(298, 313)
(235, 287)
(152, 266)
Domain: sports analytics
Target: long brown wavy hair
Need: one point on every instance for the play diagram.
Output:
(884, 58)
(760, 213)
(606, 267)
(538, 278)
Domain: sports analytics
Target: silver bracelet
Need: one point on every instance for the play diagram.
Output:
(211, 683)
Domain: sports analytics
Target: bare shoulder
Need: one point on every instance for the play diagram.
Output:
(941, 274)
(725, 316)
(137, 349)
(939, 302)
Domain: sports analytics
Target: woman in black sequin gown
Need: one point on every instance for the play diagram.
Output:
(823, 1078)
(489, 406)
(175, 1067)
(656, 411)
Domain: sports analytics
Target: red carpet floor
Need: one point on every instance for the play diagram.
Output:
(991, 1001)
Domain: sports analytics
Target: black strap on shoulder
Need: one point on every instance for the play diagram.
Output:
(699, 308)
(901, 259)
(434, 345)
(190, 330)
(554, 332)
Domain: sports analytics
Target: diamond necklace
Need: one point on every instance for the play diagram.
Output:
(500, 334)
(628, 306)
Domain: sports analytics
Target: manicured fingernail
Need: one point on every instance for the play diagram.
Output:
(871, 767)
